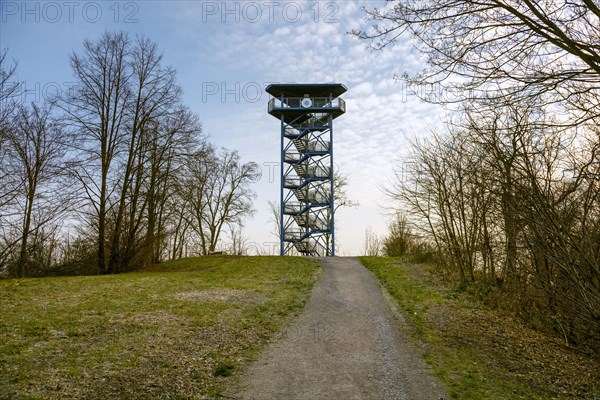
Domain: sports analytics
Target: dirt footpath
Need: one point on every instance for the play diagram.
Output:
(345, 345)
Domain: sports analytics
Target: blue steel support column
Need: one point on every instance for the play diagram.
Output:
(331, 186)
(281, 230)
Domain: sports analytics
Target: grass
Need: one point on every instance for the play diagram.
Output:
(480, 353)
(173, 331)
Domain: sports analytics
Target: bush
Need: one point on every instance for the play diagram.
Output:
(400, 239)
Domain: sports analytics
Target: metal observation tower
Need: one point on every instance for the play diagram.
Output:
(306, 113)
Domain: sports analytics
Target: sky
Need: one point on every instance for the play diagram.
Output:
(226, 53)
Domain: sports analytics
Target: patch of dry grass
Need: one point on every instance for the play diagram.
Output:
(156, 334)
(221, 295)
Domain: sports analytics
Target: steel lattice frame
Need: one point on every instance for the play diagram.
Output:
(306, 114)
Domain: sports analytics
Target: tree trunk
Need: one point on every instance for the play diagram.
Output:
(26, 226)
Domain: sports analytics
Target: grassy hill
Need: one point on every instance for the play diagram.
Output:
(479, 352)
(173, 331)
(178, 329)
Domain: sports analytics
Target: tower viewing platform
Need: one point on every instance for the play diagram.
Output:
(293, 100)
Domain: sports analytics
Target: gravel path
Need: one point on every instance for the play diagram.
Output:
(345, 345)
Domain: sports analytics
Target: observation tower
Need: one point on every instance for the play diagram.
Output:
(306, 113)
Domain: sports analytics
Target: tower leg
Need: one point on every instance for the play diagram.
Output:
(331, 186)
(281, 161)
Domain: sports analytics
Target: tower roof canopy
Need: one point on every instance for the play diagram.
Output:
(300, 89)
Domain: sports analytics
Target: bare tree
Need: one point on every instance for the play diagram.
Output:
(507, 193)
(133, 134)
(400, 239)
(340, 199)
(98, 110)
(9, 183)
(155, 95)
(219, 194)
(275, 219)
(168, 147)
(501, 50)
(510, 138)
(37, 149)
(447, 196)
(8, 91)
(509, 201)
(179, 224)
(238, 242)
(372, 243)
(193, 188)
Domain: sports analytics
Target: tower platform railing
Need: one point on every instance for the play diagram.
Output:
(317, 102)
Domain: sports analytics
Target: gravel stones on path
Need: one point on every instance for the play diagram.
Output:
(344, 345)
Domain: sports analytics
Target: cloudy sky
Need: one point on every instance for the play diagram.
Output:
(226, 53)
